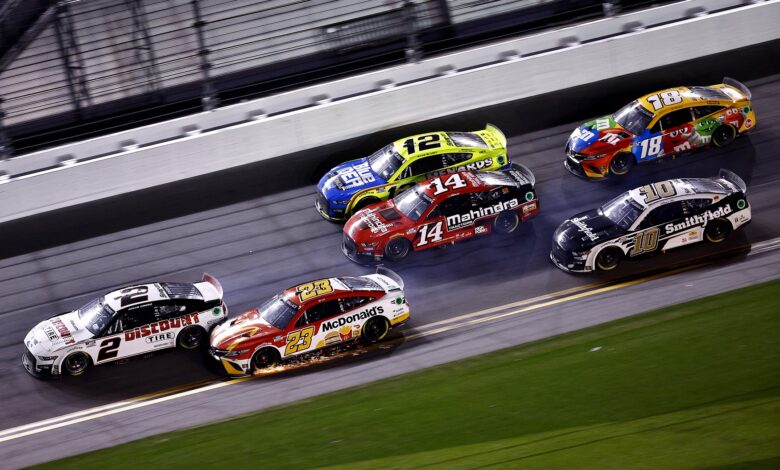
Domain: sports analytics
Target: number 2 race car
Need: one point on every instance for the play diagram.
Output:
(654, 218)
(353, 185)
(660, 124)
(127, 322)
(442, 210)
(309, 317)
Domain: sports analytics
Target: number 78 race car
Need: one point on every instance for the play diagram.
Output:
(127, 322)
(651, 219)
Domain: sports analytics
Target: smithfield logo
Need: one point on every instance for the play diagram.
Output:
(461, 220)
(584, 228)
(700, 219)
(371, 312)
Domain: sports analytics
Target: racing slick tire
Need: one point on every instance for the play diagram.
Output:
(506, 222)
(397, 249)
(717, 230)
(376, 329)
(191, 337)
(264, 358)
(724, 135)
(608, 259)
(621, 164)
(76, 364)
(365, 202)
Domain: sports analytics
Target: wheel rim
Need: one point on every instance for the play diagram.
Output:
(376, 330)
(263, 359)
(397, 248)
(722, 136)
(608, 260)
(620, 165)
(76, 364)
(718, 232)
(192, 338)
(508, 223)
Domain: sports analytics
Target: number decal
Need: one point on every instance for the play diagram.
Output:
(430, 233)
(133, 295)
(645, 241)
(667, 98)
(659, 190)
(299, 340)
(455, 181)
(313, 289)
(424, 142)
(108, 349)
(651, 147)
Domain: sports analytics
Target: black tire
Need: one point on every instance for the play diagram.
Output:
(608, 259)
(264, 358)
(724, 135)
(191, 337)
(376, 329)
(621, 164)
(717, 230)
(76, 364)
(506, 222)
(365, 202)
(397, 249)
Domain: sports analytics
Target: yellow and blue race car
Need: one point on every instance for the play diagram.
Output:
(356, 184)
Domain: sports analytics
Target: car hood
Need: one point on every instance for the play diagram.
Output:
(345, 180)
(247, 328)
(378, 220)
(56, 333)
(599, 136)
(585, 230)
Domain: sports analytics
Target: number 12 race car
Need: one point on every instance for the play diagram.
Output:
(654, 218)
(660, 124)
(127, 322)
(309, 317)
(442, 210)
(353, 185)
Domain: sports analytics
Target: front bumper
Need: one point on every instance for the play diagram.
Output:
(327, 212)
(566, 261)
(30, 364)
(232, 367)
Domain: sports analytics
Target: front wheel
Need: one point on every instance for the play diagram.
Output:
(191, 337)
(397, 249)
(376, 329)
(717, 230)
(264, 359)
(621, 164)
(724, 135)
(506, 222)
(608, 259)
(75, 364)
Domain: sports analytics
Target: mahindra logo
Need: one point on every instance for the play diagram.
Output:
(461, 220)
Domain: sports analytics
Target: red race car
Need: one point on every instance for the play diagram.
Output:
(442, 210)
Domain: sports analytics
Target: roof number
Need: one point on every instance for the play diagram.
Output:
(424, 142)
(659, 190)
(667, 98)
(455, 181)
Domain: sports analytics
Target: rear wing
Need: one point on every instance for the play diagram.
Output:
(520, 173)
(733, 179)
(739, 86)
(210, 288)
(389, 273)
(496, 132)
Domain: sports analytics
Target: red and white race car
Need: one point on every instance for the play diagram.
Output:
(442, 210)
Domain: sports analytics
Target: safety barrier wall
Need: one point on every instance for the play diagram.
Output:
(397, 98)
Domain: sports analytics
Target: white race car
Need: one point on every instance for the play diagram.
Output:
(127, 322)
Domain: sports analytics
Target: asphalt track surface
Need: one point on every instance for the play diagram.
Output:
(259, 246)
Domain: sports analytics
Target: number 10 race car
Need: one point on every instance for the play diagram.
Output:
(128, 322)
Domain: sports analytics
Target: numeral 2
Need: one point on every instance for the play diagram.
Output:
(424, 142)
(108, 349)
(299, 340)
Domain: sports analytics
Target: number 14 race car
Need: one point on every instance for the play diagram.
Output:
(651, 219)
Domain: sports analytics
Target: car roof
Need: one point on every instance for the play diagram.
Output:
(683, 187)
(691, 95)
(154, 292)
(447, 145)
(336, 286)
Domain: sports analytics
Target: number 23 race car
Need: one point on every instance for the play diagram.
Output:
(651, 219)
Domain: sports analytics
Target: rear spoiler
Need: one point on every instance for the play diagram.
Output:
(381, 270)
(213, 282)
(520, 173)
(733, 179)
(739, 86)
(497, 133)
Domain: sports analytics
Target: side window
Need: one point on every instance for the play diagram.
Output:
(663, 214)
(455, 204)
(319, 312)
(138, 315)
(701, 111)
(116, 327)
(168, 310)
(351, 303)
(675, 119)
(425, 165)
(694, 206)
(450, 159)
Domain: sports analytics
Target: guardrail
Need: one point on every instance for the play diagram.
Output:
(332, 112)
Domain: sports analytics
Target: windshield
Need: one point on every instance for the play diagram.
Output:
(412, 202)
(622, 210)
(385, 162)
(278, 312)
(96, 316)
(633, 117)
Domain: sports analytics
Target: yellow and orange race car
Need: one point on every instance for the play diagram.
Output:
(659, 124)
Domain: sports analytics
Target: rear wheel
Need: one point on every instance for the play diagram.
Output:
(191, 337)
(397, 249)
(608, 259)
(724, 135)
(376, 329)
(506, 222)
(265, 359)
(75, 364)
(621, 164)
(717, 230)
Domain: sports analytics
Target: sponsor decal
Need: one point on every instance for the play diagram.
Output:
(611, 138)
(51, 333)
(602, 124)
(584, 228)
(217, 311)
(374, 223)
(700, 219)
(411, 231)
(339, 322)
(748, 123)
(529, 208)
(63, 331)
(741, 204)
(475, 166)
(159, 337)
(462, 220)
(160, 326)
(480, 229)
(529, 196)
(356, 175)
